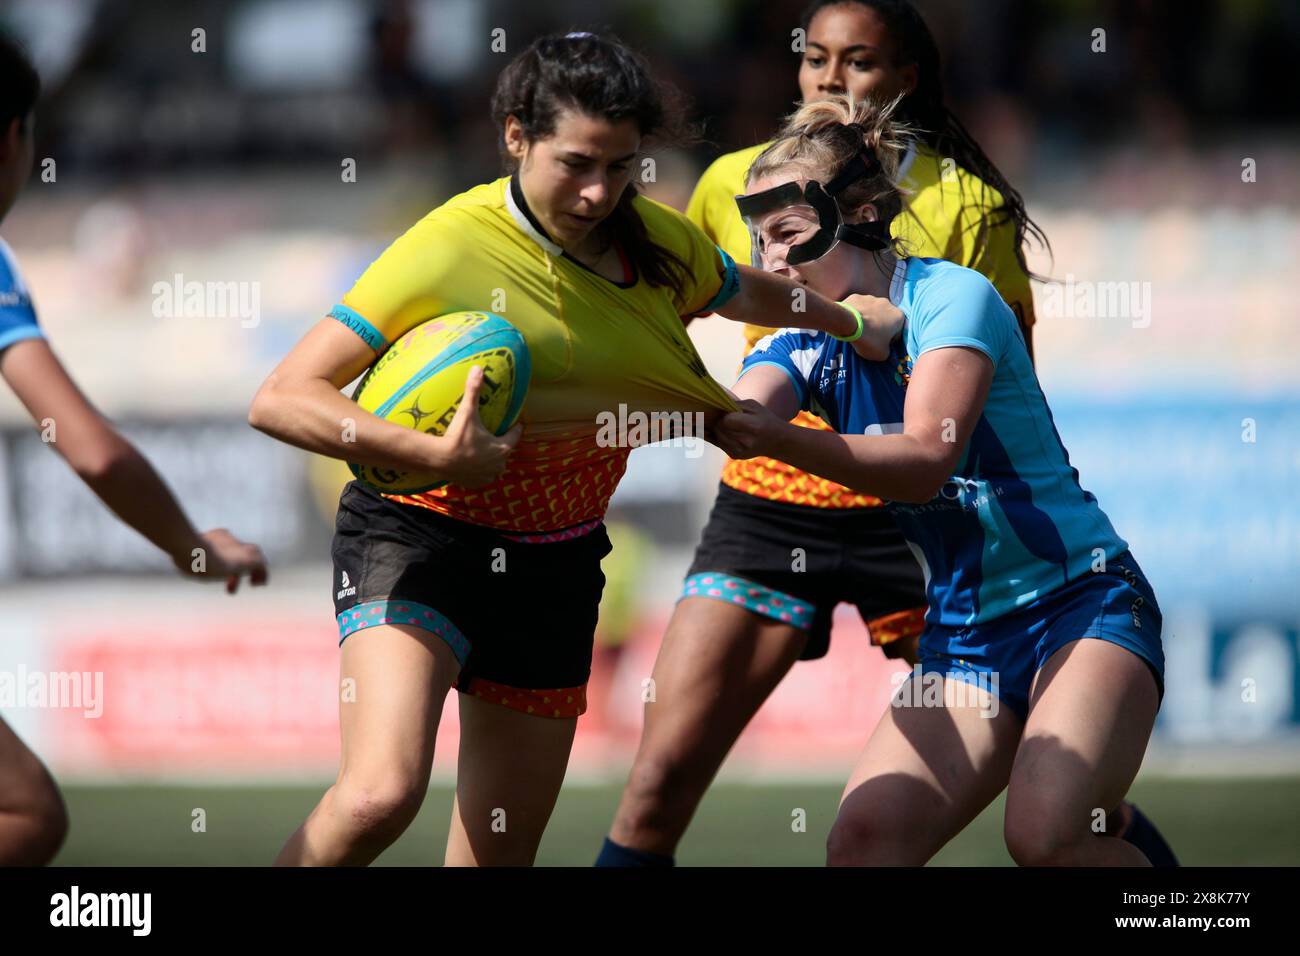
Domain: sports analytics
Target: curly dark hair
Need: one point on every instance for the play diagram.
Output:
(598, 76)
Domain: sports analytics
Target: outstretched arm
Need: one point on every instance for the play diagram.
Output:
(116, 471)
(770, 300)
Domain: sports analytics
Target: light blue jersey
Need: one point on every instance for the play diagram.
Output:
(1012, 524)
(17, 317)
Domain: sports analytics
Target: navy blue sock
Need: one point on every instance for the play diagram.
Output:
(614, 854)
(1142, 833)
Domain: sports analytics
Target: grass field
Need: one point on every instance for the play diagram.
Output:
(1208, 822)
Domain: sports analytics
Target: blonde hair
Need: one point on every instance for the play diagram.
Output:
(820, 138)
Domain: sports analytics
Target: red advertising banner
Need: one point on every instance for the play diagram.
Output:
(260, 697)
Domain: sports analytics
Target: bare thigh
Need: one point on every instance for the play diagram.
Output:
(508, 777)
(925, 774)
(394, 679)
(1091, 711)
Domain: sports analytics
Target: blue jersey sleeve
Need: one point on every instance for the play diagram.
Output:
(963, 310)
(793, 351)
(17, 317)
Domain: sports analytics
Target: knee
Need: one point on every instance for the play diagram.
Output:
(1039, 837)
(656, 779)
(379, 809)
(858, 839)
(35, 834)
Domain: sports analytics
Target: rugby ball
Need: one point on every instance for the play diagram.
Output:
(419, 382)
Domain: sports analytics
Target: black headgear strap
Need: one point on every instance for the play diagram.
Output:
(872, 236)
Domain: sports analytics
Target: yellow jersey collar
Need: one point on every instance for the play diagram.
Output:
(517, 206)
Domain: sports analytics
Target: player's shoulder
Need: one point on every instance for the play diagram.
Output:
(932, 278)
(482, 204)
(938, 293)
(727, 172)
(459, 227)
(668, 226)
(17, 316)
(481, 198)
(10, 278)
(13, 290)
(937, 181)
(791, 340)
(712, 204)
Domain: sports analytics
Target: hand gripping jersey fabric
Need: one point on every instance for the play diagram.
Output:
(597, 347)
(17, 317)
(1012, 523)
(948, 215)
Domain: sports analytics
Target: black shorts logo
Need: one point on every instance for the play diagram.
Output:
(346, 589)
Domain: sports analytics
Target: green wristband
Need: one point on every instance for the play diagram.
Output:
(857, 334)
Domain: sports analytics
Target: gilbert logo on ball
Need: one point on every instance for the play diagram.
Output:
(420, 380)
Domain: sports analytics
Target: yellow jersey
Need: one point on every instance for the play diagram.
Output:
(598, 347)
(948, 214)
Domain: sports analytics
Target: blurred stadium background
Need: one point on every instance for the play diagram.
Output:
(172, 165)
